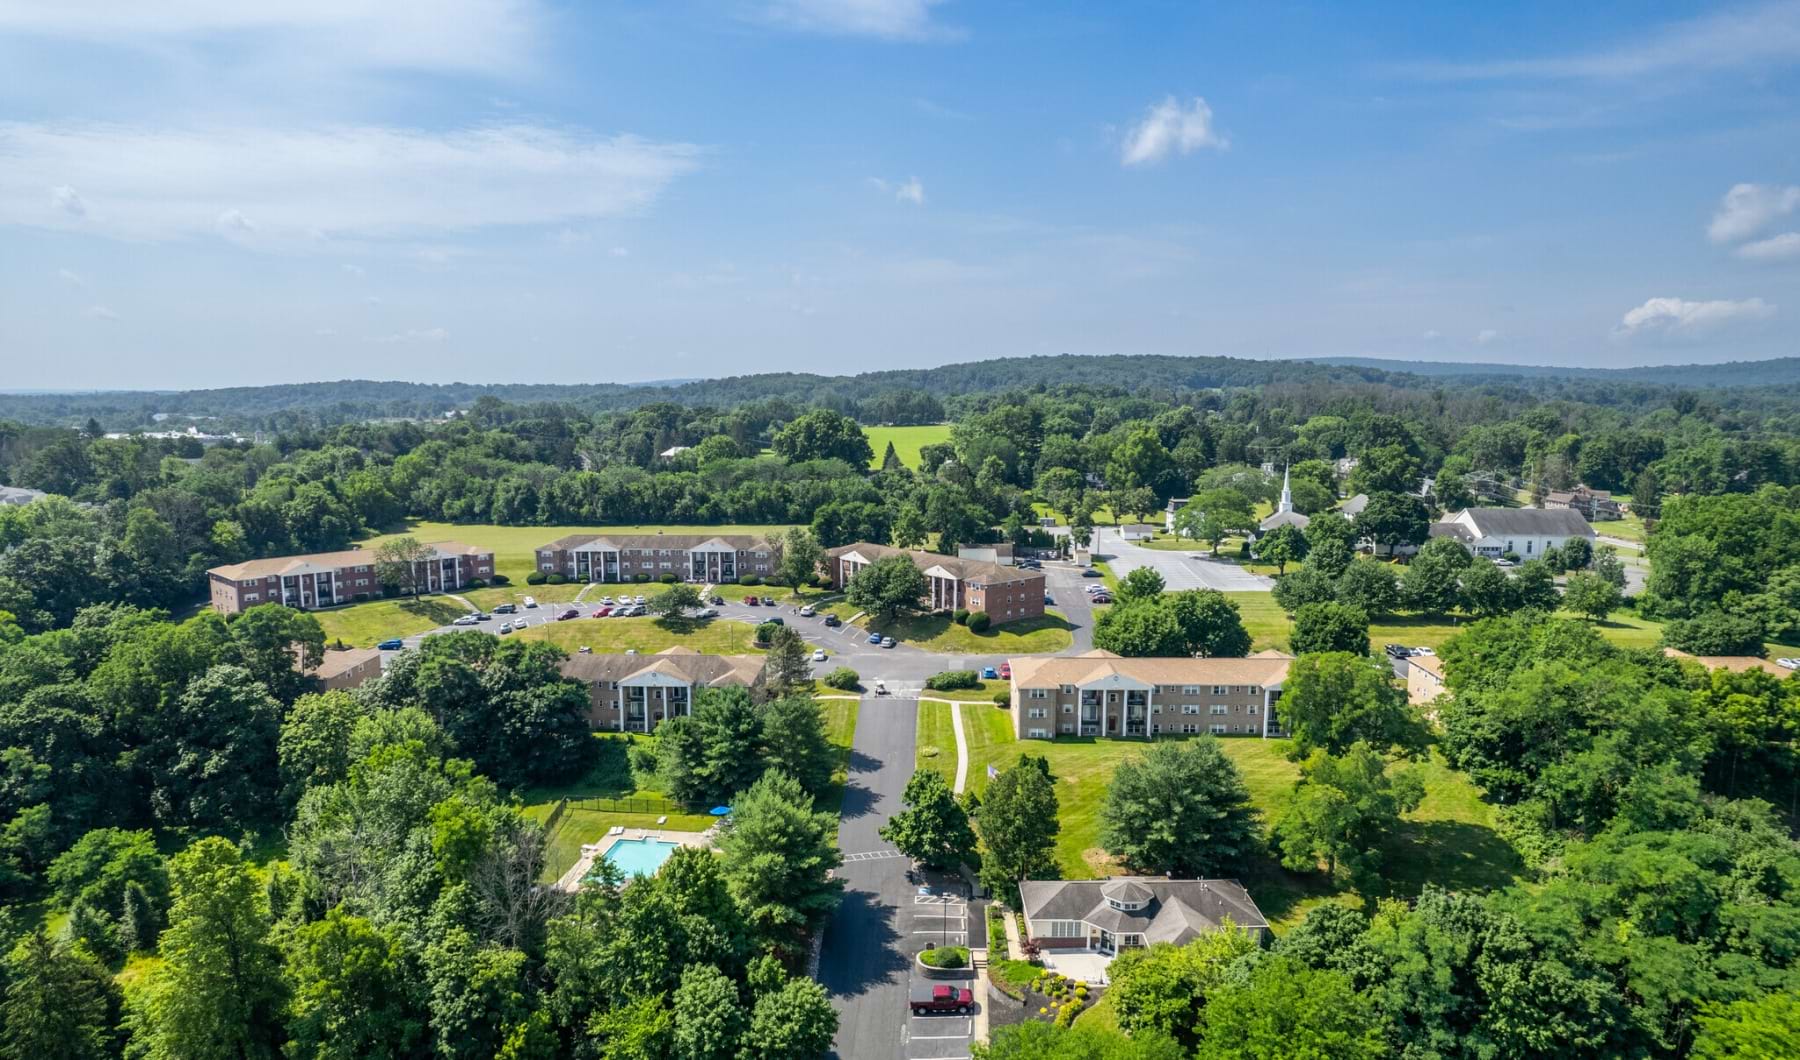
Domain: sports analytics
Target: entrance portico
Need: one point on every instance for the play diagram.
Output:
(1114, 705)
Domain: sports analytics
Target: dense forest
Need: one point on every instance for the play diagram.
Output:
(202, 855)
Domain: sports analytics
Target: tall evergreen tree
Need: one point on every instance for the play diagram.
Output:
(59, 1005)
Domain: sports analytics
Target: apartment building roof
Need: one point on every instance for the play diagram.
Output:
(324, 561)
(1266, 668)
(339, 663)
(684, 542)
(1160, 909)
(683, 664)
(1498, 522)
(973, 571)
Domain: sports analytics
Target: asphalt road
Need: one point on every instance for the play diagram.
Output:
(1179, 570)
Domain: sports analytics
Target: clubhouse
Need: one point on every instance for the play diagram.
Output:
(1098, 693)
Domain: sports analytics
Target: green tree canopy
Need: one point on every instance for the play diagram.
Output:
(1181, 809)
(932, 827)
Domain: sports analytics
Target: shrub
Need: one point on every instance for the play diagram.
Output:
(946, 957)
(558, 579)
(951, 680)
(979, 622)
(750, 579)
(501, 579)
(823, 581)
(669, 579)
(642, 758)
(640, 576)
(476, 583)
(766, 632)
(842, 678)
(1510, 557)
(361, 597)
(1002, 699)
(536, 577)
(961, 616)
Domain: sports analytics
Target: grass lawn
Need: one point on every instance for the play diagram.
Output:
(907, 441)
(987, 729)
(1630, 528)
(716, 636)
(364, 625)
(840, 729)
(982, 693)
(938, 633)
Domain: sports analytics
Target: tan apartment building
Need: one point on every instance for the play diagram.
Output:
(1424, 679)
(634, 693)
(340, 671)
(1098, 693)
(325, 579)
(718, 559)
(1007, 594)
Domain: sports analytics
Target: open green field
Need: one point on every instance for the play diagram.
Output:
(717, 636)
(367, 624)
(907, 441)
(1449, 839)
(938, 633)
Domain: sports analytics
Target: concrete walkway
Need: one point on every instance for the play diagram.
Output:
(962, 748)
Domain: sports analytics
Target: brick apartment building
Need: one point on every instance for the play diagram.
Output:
(1098, 693)
(634, 693)
(1007, 594)
(713, 558)
(325, 579)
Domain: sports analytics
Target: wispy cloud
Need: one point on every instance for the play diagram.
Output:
(1784, 247)
(1169, 127)
(99, 312)
(1486, 336)
(1679, 317)
(909, 190)
(889, 19)
(296, 189)
(1767, 34)
(71, 277)
(479, 35)
(414, 335)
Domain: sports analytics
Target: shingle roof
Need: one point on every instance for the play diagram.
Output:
(1268, 669)
(1552, 522)
(684, 542)
(1353, 507)
(712, 671)
(1280, 519)
(973, 571)
(338, 663)
(1178, 910)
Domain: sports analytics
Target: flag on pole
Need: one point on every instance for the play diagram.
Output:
(992, 772)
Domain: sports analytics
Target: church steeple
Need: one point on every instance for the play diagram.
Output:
(1287, 495)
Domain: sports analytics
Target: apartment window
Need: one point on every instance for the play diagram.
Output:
(1067, 689)
(1060, 929)
(1038, 734)
(249, 597)
(1067, 728)
(1038, 712)
(1189, 727)
(762, 568)
(1156, 709)
(1040, 693)
(1528, 546)
(1221, 690)
(762, 555)
(1219, 709)
(547, 566)
(1256, 690)
(1190, 708)
(1190, 690)
(1068, 708)
(1218, 730)
(1252, 709)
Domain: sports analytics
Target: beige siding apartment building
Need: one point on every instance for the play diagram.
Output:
(1007, 594)
(1098, 693)
(634, 693)
(325, 579)
(718, 559)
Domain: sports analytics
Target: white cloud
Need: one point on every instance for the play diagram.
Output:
(891, 19)
(414, 335)
(1168, 126)
(354, 270)
(99, 312)
(1486, 336)
(71, 277)
(1749, 36)
(912, 191)
(307, 188)
(1683, 318)
(1432, 335)
(1784, 247)
(481, 35)
(1749, 208)
(619, 252)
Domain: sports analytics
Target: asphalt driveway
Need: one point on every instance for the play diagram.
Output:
(1179, 570)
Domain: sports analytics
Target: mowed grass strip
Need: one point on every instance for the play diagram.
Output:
(367, 624)
(907, 441)
(1031, 636)
(840, 729)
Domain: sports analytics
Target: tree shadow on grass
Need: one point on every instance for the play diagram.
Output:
(437, 609)
(1450, 854)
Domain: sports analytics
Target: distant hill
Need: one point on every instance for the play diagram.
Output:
(913, 395)
(1779, 371)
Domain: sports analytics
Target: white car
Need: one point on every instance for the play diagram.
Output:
(818, 655)
(1423, 651)
(639, 600)
(606, 601)
(1792, 664)
(466, 620)
(531, 601)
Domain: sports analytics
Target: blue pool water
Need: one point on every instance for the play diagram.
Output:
(640, 857)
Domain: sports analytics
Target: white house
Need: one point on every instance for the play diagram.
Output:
(1175, 505)
(1525, 532)
(1137, 531)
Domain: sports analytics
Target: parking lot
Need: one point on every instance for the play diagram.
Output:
(1179, 570)
(940, 916)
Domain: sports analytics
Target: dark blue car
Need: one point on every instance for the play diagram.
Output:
(391, 645)
(874, 638)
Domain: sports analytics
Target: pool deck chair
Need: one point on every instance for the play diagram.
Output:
(617, 829)
(662, 820)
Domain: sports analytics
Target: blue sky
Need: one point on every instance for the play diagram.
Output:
(220, 193)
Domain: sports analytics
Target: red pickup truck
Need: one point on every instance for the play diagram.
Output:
(940, 997)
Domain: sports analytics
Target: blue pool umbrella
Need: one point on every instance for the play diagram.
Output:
(720, 811)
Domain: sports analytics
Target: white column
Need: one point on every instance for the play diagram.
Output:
(619, 699)
(1149, 710)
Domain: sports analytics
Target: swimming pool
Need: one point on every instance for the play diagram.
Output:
(640, 857)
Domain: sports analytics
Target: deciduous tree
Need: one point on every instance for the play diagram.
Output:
(932, 827)
(1181, 809)
(1017, 823)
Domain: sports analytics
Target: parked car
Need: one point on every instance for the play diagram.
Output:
(808, 611)
(750, 601)
(887, 642)
(505, 628)
(567, 614)
(1091, 573)
(607, 600)
(521, 623)
(391, 644)
(465, 620)
(927, 997)
(818, 655)
(1048, 599)
(706, 612)
(716, 600)
(988, 673)
(1101, 598)
(1423, 651)
(1792, 664)
(1397, 651)
(833, 620)
(584, 650)
(639, 600)
(482, 616)
(775, 621)
(1006, 671)
(531, 601)
(600, 612)
(874, 638)
(506, 609)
